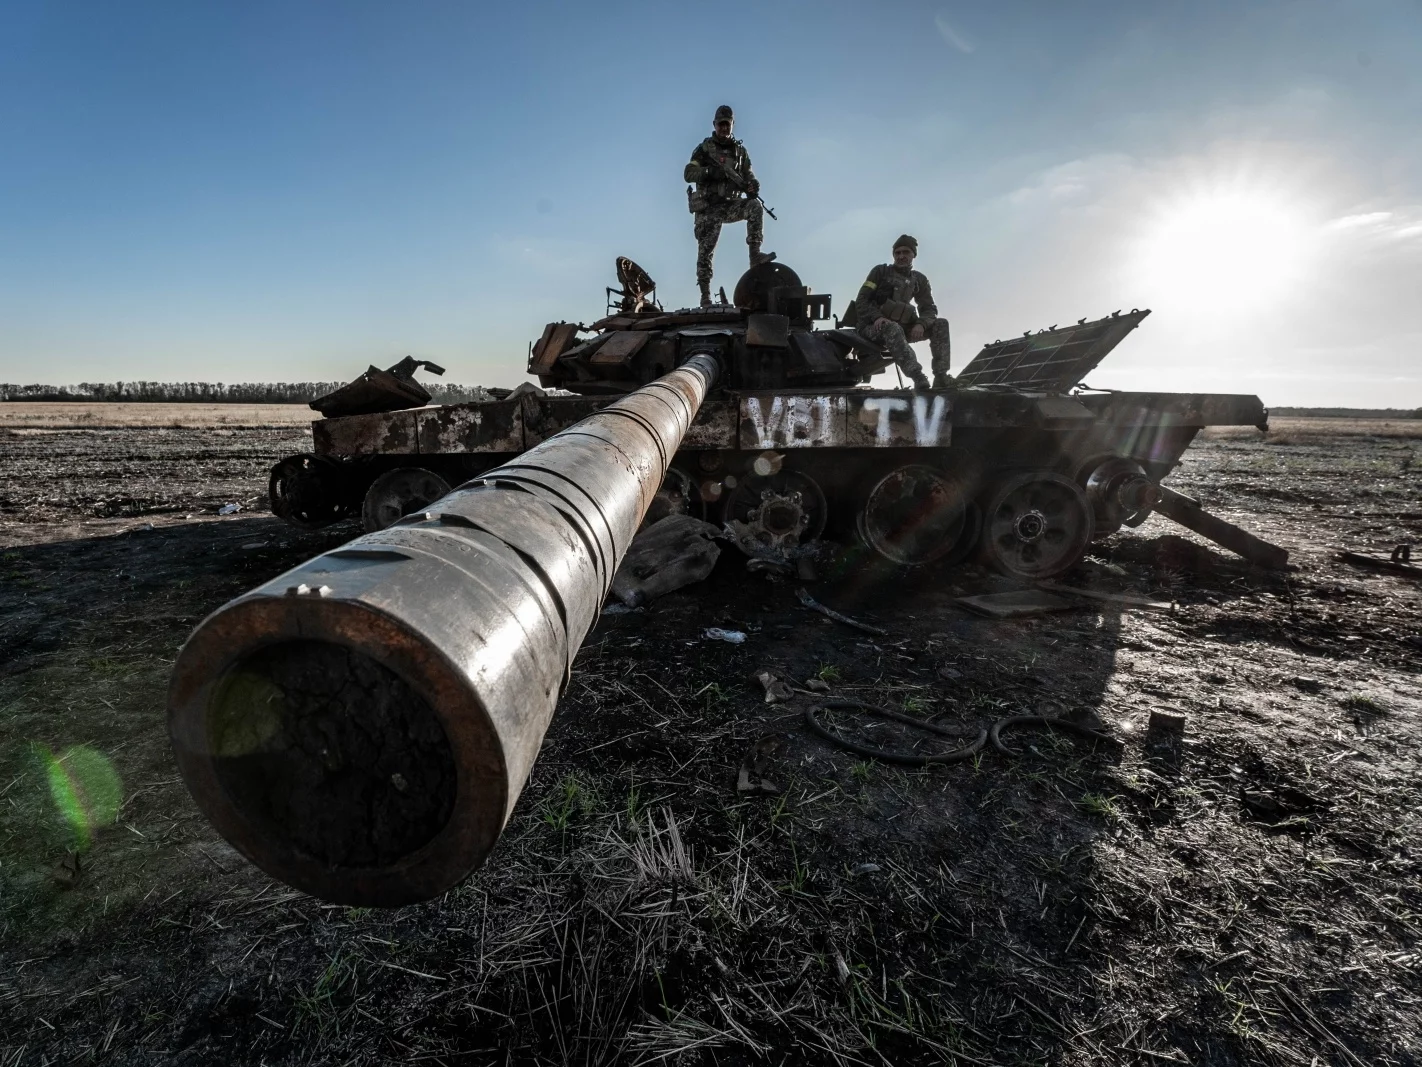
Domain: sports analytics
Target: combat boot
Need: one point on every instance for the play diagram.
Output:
(920, 383)
(705, 294)
(757, 257)
(944, 384)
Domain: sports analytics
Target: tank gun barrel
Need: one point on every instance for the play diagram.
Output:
(361, 726)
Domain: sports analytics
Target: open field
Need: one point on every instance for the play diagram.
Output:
(1253, 897)
(40, 415)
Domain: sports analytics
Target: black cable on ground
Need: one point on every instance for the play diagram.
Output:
(913, 759)
(1051, 722)
(908, 759)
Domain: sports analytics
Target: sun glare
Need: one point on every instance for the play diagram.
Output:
(1221, 253)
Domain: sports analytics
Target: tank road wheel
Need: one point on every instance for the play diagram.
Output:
(309, 491)
(914, 515)
(1119, 491)
(1035, 525)
(774, 513)
(398, 493)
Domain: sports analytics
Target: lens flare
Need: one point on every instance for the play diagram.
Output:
(85, 788)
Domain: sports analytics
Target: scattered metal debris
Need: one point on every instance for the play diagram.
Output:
(666, 556)
(1016, 604)
(1165, 727)
(777, 690)
(814, 605)
(1124, 599)
(751, 779)
(1398, 563)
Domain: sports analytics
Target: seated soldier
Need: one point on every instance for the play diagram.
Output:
(885, 312)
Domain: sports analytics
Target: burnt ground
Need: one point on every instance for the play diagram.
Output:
(1250, 896)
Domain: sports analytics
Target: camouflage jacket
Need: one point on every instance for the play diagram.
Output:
(886, 294)
(705, 169)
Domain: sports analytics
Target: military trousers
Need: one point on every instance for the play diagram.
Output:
(891, 335)
(708, 230)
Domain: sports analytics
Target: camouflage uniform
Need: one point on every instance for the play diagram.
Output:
(721, 200)
(886, 286)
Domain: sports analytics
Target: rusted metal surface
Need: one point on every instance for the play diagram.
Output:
(366, 435)
(851, 418)
(557, 339)
(361, 726)
(620, 347)
(493, 426)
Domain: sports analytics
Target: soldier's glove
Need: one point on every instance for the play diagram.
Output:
(752, 188)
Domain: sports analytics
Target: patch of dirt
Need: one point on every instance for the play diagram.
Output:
(1249, 895)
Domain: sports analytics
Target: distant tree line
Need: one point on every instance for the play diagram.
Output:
(215, 392)
(1349, 413)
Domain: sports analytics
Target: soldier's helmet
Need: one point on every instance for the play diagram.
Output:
(725, 112)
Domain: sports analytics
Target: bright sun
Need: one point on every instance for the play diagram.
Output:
(1222, 253)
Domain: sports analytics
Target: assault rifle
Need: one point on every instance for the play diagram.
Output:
(735, 179)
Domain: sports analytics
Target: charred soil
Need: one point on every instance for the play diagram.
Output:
(1247, 893)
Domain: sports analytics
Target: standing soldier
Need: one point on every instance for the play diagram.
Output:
(884, 314)
(726, 191)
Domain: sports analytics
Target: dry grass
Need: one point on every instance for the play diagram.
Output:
(39, 415)
(1300, 430)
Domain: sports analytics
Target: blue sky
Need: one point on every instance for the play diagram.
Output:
(253, 191)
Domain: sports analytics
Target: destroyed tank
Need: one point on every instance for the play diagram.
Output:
(1020, 466)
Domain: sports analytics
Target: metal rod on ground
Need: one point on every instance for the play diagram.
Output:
(1192, 516)
(361, 726)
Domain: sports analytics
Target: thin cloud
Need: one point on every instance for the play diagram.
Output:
(955, 37)
(1383, 225)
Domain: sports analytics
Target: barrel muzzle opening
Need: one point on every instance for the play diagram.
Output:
(329, 755)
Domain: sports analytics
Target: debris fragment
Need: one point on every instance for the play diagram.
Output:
(777, 690)
(1124, 599)
(229, 509)
(814, 605)
(671, 553)
(1395, 565)
(1017, 604)
(732, 637)
(1166, 727)
(1283, 808)
(1190, 514)
(752, 780)
(68, 870)
(817, 685)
